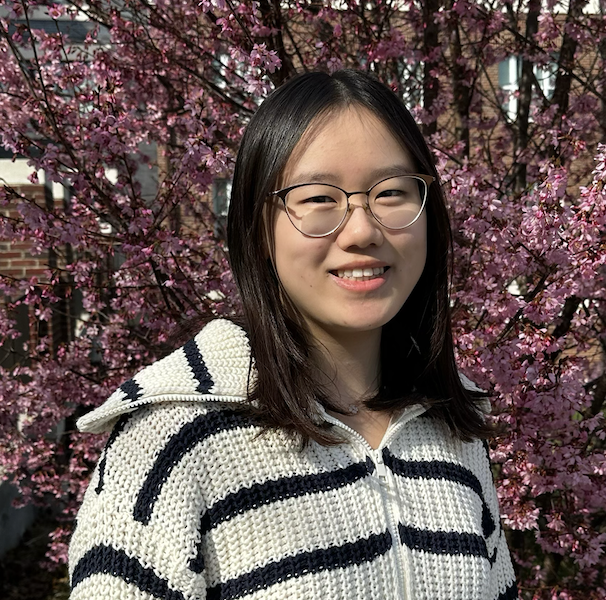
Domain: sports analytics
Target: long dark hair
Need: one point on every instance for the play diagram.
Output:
(417, 355)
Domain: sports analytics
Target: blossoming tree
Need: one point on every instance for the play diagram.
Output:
(511, 96)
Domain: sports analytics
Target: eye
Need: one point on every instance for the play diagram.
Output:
(393, 197)
(391, 193)
(397, 192)
(319, 200)
(313, 196)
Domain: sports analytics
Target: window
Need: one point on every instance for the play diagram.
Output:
(221, 192)
(510, 71)
(412, 84)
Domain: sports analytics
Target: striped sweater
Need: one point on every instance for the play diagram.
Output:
(189, 502)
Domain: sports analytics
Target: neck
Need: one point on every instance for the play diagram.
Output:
(349, 366)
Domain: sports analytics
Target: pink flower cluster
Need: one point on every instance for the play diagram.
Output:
(140, 121)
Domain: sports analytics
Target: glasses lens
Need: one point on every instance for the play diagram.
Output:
(398, 201)
(316, 209)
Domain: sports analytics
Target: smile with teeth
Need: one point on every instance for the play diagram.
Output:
(360, 274)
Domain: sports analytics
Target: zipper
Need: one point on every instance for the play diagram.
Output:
(387, 489)
(381, 468)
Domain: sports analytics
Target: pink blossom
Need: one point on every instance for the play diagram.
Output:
(140, 128)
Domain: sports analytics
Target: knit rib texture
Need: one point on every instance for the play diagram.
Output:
(190, 500)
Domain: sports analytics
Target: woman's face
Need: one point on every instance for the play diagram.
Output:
(352, 150)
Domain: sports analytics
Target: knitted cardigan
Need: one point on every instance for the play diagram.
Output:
(189, 501)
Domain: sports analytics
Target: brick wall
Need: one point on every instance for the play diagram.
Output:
(16, 258)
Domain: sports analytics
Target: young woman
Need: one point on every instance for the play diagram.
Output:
(328, 448)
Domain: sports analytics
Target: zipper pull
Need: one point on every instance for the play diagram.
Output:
(381, 468)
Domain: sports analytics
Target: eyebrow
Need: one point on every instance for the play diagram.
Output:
(326, 177)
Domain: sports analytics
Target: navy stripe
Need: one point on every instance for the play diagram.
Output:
(196, 364)
(276, 490)
(117, 430)
(488, 525)
(177, 447)
(132, 390)
(442, 470)
(261, 494)
(323, 559)
(511, 593)
(109, 561)
(443, 542)
(493, 559)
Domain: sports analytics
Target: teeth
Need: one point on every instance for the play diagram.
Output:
(361, 274)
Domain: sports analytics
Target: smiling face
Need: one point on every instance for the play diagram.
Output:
(357, 278)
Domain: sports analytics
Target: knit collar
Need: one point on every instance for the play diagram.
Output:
(214, 366)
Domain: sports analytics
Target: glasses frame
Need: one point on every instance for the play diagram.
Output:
(426, 179)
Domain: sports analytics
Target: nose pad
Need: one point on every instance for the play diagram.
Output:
(360, 232)
(365, 207)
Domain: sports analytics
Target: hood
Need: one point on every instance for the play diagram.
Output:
(213, 366)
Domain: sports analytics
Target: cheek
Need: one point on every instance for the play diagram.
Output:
(282, 238)
(297, 259)
(412, 245)
(286, 249)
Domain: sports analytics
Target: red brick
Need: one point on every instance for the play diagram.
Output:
(26, 263)
(14, 272)
(27, 246)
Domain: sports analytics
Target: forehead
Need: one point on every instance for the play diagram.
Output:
(349, 143)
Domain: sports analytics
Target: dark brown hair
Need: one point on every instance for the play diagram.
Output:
(417, 355)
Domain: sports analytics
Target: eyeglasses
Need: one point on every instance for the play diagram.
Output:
(319, 209)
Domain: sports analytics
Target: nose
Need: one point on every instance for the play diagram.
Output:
(360, 228)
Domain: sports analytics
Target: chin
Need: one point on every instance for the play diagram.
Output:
(362, 325)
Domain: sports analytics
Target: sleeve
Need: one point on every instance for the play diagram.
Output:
(137, 534)
(502, 577)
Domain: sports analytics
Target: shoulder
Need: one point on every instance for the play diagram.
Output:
(161, 437)
(154, 481)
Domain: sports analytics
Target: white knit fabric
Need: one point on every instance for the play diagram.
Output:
(189, 502)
